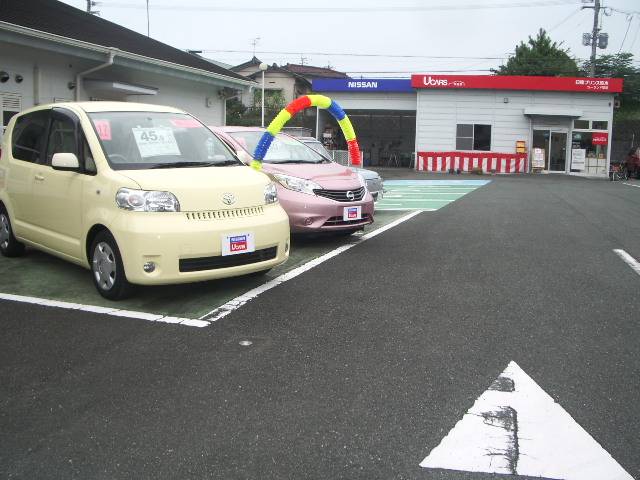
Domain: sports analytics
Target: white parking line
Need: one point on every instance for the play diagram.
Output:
(628, 259)
(219, 312)
(631, 184)
(234, 304)
(152, 317)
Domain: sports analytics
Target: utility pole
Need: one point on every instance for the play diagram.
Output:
(148, 18)
(594, 37)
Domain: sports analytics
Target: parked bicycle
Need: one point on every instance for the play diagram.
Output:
(618, 171)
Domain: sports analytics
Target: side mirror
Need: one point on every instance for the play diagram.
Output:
(65, 162)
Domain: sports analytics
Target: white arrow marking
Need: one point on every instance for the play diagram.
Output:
(516, 428)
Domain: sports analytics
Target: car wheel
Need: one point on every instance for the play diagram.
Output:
(107, 269)
(9, 246)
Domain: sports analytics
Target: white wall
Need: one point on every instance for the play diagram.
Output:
(56, 71)
(439, 111)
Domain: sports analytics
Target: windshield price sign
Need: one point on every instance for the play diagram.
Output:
(156, 141)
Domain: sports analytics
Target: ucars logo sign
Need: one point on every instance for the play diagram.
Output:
(515, 82)
(352, 213)
(435, 82)
(238, 244)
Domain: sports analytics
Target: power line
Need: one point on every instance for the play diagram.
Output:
(630, 18)
(273, 52)
(331, 10)
(577, 10)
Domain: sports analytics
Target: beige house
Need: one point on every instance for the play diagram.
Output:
(282, 83)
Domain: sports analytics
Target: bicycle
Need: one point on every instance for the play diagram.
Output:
(618, 171)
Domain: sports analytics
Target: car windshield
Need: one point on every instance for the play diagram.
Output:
(318, 147)
(283, 149)
(142, 140)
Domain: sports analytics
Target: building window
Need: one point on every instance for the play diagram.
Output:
(591, 125)
(473, 137)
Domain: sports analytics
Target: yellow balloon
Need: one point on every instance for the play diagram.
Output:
(256, 165)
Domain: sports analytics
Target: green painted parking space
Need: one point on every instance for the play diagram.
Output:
(430, 195)
(43, 276)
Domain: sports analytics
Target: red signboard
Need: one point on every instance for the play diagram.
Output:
(599, 138)
(509, 82)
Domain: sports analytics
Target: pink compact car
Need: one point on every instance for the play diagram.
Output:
(318, 195)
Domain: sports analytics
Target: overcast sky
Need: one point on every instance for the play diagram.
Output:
(340, 33)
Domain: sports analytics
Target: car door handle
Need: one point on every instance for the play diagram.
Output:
(39, 177)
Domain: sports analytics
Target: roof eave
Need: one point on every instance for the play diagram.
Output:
(18, 29)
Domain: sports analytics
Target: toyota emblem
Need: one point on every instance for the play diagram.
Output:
(351, 196)
(228, 198)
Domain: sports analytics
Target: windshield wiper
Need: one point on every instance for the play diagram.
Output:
(293, 161)
(184, 164)
(225, 163)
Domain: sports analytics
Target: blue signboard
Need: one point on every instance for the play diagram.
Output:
(362, 85)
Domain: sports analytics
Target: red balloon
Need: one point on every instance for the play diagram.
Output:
(354, 152)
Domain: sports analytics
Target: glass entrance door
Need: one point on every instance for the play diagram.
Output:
(558, 152)
(554, 145)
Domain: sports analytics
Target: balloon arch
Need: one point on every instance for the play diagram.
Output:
(298, 105)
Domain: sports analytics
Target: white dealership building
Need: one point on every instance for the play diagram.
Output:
(503, 124)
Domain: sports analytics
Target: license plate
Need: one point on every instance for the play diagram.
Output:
(236, 243)
(352, 213)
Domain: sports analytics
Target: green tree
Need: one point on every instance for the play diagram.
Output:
(540, 56)
(235, 111)
(620, 65)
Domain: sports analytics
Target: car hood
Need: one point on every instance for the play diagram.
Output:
(366, 174)
(331, 176)
(199, 189)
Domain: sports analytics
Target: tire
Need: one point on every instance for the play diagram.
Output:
(9, 246)
(107, 269)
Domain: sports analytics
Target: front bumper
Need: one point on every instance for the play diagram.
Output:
(313, 214)
(167, 238)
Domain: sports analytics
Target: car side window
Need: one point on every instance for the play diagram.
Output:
(89, 162)
(62, 137)
(28, 136)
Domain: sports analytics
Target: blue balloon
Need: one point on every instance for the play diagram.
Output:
(263, 145)
(336, 110)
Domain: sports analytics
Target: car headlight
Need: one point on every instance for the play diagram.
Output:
(363, 182)
(297, 184)
(270, 193)
(147, 200)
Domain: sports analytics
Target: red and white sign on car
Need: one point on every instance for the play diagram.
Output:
(514, 82)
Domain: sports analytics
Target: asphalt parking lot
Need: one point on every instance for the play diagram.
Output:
(365, 366)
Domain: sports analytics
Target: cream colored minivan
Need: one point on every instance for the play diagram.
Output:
(139, 194)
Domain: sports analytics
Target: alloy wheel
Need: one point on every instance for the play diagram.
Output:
(5, 231)
(104, 266)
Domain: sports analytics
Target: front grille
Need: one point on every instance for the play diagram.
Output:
(341, 195)
(340, 221)
(213, 263)
(225, 214)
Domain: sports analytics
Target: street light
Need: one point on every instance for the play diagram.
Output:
(263, 66)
